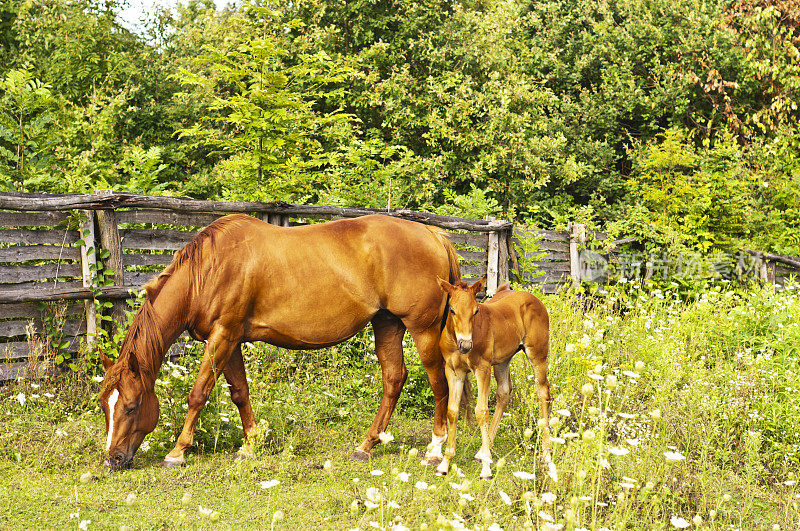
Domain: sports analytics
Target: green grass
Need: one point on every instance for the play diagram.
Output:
(663, 410)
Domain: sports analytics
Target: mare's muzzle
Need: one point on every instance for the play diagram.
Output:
(464, 345)
(119, 461)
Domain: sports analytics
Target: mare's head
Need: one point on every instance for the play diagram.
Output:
(463, 308)
(128, 397)
(131, 409)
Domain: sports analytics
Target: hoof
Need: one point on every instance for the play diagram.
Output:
(487, 478)
(440, 473)
(171, 462)
(477, 459)
(359, 455)
(431, 461)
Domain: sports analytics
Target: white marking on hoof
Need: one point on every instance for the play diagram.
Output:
(173, 462)
(435, 448)
(112, 401)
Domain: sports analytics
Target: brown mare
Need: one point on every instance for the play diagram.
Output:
(308, 287)
(479, 337)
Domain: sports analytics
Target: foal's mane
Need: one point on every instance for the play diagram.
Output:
(144, 342)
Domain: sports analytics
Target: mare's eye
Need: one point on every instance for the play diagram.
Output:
(476, 311)
(130, 410)
(452, 311)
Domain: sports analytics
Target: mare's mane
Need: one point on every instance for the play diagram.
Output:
(143, 345)
(144, 342)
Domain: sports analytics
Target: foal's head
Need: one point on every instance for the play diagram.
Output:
(463, 308)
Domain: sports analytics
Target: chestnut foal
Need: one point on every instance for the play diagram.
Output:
(479, 337)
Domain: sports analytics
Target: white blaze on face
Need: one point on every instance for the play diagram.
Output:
(112, 401)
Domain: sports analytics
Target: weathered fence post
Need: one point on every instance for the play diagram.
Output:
(89, 259)
(110, 241)
(275, 219)
(492, 261)
(577, 241)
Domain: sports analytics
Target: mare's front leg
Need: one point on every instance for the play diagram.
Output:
(389, 332)
(240, 395)
(455, 381)
(483, 376)
(220, 346)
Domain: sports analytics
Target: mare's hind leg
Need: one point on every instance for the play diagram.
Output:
(389, 332)
(219, 348)
(427, 342)
(537, 354)
(240, 395)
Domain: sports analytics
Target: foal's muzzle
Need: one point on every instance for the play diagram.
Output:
(464, 345)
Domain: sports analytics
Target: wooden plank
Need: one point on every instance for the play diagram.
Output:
(171, 240)
(71, 327)
(33, 219)
(24, 253)
(548, 235)
(88, 270)
(25, 310)
(65, 291)
(472, 256)
(561, 247)
(552, 266)
(14, 350)
(167, 217)
(473, 270)
(542, 256)
(16, 274)
(492, 261)
(550, 277)
(147, 259)
(502, 258)
(137, 279)
(12, 371)
(480, 241)
(111, 200)
(34, 236)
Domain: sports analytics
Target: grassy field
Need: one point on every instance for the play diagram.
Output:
(667, 414)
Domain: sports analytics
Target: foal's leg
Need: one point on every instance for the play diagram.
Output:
(484, 378)
(427, 343)
(240, 395)
(537, 354)
(455, 382)
(389, 332)
(219, 348)
(502, 373)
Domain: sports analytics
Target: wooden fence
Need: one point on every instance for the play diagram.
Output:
(52, 248)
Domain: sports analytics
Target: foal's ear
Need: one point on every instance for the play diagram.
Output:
(478, 286)
(446, 286)
(107, 362)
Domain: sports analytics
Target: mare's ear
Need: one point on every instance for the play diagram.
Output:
(446, 286)
(152, 288)
(478, 286)
(133, 364)
(107, 362)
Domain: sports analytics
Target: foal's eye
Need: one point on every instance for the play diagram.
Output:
(129, 411)
(476, 311)
(452, 311)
